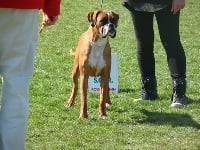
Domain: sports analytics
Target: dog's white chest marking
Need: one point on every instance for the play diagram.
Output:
(96, 59)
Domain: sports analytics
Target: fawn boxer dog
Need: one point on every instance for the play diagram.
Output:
(93, 58)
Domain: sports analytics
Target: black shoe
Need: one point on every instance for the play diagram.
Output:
(179, 89)
(179, 101)
(149, 87)
(147, 96)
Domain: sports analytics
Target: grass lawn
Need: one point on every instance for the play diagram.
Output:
(129, 126)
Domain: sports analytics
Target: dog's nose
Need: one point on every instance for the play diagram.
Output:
(111, 28)
(111, 25)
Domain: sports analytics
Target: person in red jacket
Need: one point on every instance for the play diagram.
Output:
(18, 40)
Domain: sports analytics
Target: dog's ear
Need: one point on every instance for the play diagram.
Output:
(115, 16)
(91, 19)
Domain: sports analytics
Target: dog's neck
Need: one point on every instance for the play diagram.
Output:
(100, 43)
(96, 59)
(95, 38)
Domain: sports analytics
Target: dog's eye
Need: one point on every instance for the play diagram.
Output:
(112, 20)
(103, 21)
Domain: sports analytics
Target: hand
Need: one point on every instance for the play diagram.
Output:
(177, 5)
(49, 20)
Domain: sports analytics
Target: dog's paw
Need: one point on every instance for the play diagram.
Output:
(68, 104)
(108, 104)
(102, 117)
(83, 116)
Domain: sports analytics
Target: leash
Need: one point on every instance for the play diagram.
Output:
(41, 29)
(101, 4)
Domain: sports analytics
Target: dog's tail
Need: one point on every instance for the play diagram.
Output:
(71, 52)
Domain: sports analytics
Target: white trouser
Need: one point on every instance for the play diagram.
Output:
(18, 39)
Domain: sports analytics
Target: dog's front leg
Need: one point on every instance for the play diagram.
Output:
(104, 91)
(83, 90)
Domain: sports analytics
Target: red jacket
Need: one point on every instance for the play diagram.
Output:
(50, 7)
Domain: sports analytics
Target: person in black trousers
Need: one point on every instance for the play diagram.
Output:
(167, 14)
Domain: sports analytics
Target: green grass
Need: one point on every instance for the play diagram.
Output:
(129, 125)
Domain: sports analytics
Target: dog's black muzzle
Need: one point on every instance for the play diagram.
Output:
(109, 30)
(112, 30)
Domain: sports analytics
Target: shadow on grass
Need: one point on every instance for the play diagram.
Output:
(174, 119)
(191, 101)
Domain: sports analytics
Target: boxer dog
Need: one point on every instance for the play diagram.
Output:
(93, 58)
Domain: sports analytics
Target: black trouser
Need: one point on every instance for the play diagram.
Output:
(168, 25)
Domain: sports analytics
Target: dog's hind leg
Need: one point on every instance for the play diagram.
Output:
(75, 76)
